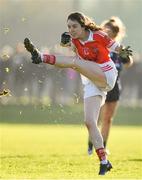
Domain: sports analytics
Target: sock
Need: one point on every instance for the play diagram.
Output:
(49, 59)
(101, 154)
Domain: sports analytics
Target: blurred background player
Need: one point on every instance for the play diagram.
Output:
(115, 29)
(92, 60)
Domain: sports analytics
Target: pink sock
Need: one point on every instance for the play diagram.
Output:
(101, 154)
(49, 59)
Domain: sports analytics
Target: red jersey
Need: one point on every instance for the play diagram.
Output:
(95, 48)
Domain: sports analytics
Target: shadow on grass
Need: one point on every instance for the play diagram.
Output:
(16, 156)
(137, 160)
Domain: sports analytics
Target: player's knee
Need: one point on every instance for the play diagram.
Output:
(90, 123)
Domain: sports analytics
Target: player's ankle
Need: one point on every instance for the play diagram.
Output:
(101, 154)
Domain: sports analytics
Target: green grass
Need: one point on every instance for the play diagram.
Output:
(59, 152)
(61, 114)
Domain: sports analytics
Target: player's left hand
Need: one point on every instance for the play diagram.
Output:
(124, 53)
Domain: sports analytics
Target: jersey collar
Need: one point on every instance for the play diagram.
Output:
(90, 38)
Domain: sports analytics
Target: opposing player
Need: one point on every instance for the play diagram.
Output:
(91, 60)
(116, 31)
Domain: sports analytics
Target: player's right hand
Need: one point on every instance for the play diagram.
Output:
(35, 54)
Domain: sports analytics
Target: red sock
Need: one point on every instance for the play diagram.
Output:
(101, 154)
(49, 59)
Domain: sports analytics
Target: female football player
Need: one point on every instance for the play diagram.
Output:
(92, 60)
(116, 31)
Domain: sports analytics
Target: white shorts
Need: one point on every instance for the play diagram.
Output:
(90, 89)
(111, 73)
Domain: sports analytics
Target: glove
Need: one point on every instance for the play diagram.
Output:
(124, 53)
(65, 39)
(36, 57)
(124, 60)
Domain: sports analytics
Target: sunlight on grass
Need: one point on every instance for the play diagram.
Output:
(60, 151)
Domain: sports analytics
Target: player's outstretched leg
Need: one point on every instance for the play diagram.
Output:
(89, 69)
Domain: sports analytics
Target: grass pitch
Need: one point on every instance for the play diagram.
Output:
(60, 152)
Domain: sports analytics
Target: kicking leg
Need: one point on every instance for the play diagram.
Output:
(87, 68)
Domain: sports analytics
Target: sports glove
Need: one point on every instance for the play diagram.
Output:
(65, 39)
(125, 60)
(36, 57)
(125, 53)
